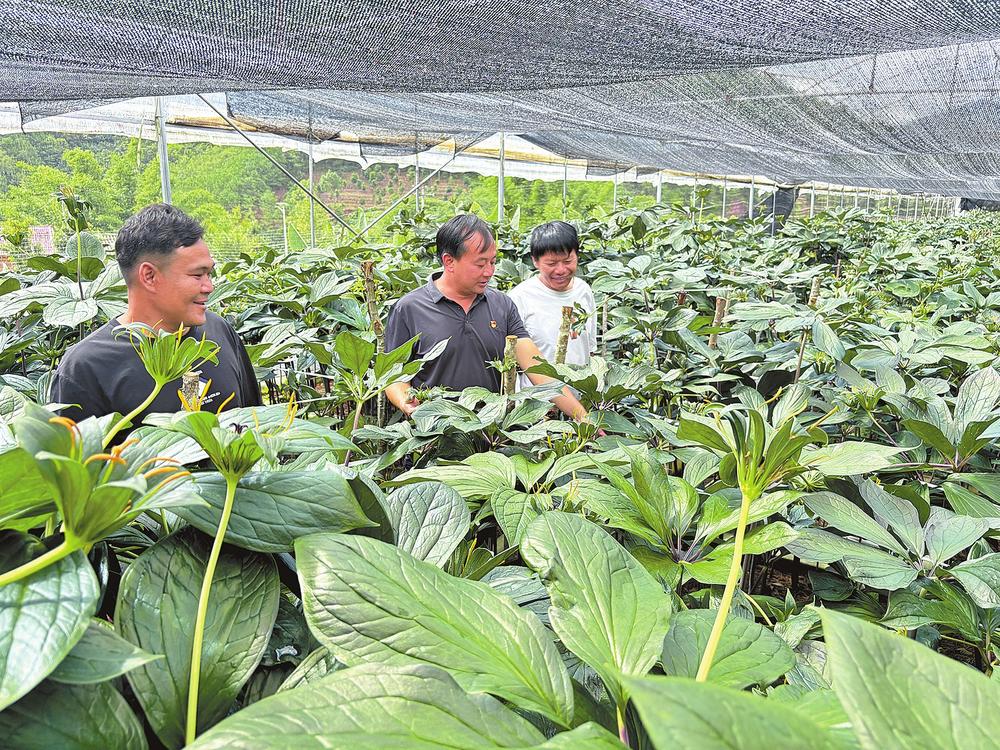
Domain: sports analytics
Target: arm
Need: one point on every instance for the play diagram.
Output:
(529, 356)
(399, 395)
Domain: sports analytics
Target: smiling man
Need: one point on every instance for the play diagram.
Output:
(555, 251)
(168, 271)
(458, 304)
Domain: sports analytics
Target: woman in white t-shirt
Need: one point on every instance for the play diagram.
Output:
(540, 299)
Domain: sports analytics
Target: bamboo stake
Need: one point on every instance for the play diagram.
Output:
(562, 343)
(509, 366)
(813, 299)
(190, 386)
(371, 300)
(604, 328)
(721, 306)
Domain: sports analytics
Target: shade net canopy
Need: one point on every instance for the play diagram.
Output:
(897, 93)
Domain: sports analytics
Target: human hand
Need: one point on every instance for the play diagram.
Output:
(409, 407)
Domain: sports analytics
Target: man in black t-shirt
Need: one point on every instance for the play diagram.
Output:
(458, 304)
(168, 270)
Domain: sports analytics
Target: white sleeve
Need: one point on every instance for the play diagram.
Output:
(592, 320)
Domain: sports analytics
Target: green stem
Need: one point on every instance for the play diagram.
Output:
(52, 556)
(354, 427)
(622, 729)
(79, 263)
(735, 568)
(127, 419)
(199, 622)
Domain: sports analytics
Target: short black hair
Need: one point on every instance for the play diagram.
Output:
(554, 237)
(158, 229)
(452, 235)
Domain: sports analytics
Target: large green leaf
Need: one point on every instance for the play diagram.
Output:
(981, 578)
(100, 655)
(899, 693)
(375, 706)
(314, 667)
(355, 353)
(606, 607)
(842, 514)
(476, 478)
(369, 601)
(156, 607)
(748, 653)
(81, 717)
(947, 534)
(898, 514)
(429, 520)
(847, 459)
(67, 309)
(24, 493)
(866, 564)
(272, 509)
(42, 617)
(515, 510)
(678, 712)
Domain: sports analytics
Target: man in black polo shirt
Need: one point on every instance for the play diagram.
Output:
(457, 303)
(168, 270)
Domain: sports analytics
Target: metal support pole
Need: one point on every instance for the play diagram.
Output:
(500, 180)
(855, 198)
(868, 201)
(161, 142)
(753, 190)
(312, 203)
(414, 189)
(282, 206)
(565, 180)
(659, 188)
(416, 170)
(289, 175)
(614, 191)
(725, 188)
(812, 200)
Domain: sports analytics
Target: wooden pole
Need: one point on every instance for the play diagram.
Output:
(721, 306)
(562, 343)
(510, 366)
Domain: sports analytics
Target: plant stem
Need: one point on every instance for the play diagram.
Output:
(54, 555)
(354, 427)
(622, 729)
(127, 419)
(199, 622)
(735, 568)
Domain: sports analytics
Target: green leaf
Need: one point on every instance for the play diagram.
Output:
(968, 503)
(680, 713)
(100, 655)
(273, 509)
(932, 436)
(977, 399)
(848, 459)
(865, 564)
(948, 534)
(369, 601)
(81, 717)
(476, 478)
(42, 616)
(606, 607)
(899, 514)
(24, 494)
(355, 353)
(844, 515)
(748, 654)
(514, 510)
(981, 578)
(376, 707)
(157, 603)
(67, 309)
(827, 341)
(313, 668)
(696, 430)
(899, 693)
(429, 519)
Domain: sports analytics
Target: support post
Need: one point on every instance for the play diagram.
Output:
(659, 188)
(510, 366)
(312, 203)
(565, 327)
(812, 200)
(614, 191)
(416, 170)
(753, 196)
(725, 189)
(161, 144)
(500, 180)
(565, 194)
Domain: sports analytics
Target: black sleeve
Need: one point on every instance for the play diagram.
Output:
(249, 385)
(515, 326)
(397, 328)
(75, 385)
